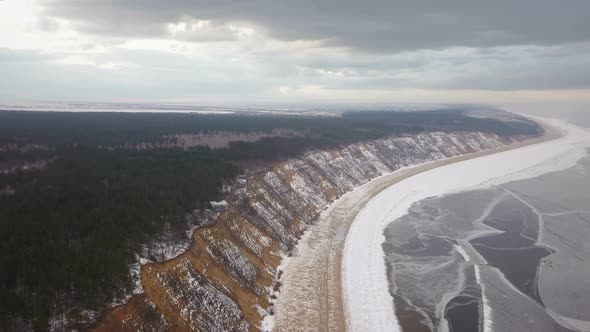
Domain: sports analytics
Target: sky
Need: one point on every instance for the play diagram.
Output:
(529, 54)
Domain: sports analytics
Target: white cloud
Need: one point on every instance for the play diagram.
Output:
(184, 55)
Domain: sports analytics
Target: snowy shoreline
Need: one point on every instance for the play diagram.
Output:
(368, 303)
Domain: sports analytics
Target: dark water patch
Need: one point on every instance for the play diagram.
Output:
(514, 252)
(410, 319)
(514, 217)
(519, 266)
(463, 313)
(512, 310)
(427, 246)
(504, 241)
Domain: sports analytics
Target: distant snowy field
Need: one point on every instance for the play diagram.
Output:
(169, 108)
(113, 107)
(369, 305)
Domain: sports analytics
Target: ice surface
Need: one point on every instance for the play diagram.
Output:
(506, 309)
(369, 304)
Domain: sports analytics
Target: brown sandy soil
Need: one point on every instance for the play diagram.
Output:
(311, 298)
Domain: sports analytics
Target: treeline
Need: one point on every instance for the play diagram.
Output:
(69, 232)
(93, 129)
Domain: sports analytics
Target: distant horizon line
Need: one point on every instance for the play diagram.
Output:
(230, 107)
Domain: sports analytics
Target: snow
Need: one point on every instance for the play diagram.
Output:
(487, 309)
(462, 252)
(369, 305)
(219, 206)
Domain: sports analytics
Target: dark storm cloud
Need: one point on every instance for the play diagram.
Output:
(378, 25)
(498, 68)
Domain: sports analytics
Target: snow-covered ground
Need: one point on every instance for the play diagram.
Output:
(369, 305)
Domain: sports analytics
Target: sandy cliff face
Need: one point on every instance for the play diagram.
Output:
(224, 280)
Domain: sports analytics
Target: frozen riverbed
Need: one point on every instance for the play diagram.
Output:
(369, 304)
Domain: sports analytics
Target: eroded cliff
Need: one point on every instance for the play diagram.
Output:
(227, 277)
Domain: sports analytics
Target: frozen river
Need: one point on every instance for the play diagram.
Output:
(504, 253)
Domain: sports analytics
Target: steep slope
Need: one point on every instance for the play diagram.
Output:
(226, 277)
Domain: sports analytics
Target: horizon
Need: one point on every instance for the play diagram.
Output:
(524, 56)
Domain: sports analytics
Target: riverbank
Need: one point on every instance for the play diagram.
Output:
(365, 285)
(311, 297)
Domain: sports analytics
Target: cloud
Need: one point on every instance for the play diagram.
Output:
(275, 50)
(498, 68)
(146, 75)
(375, 25)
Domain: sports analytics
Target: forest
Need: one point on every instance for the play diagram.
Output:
(69, 227)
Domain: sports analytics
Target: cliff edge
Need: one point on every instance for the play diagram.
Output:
(227, 279)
